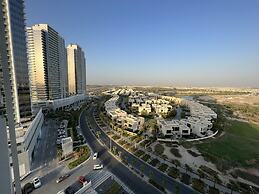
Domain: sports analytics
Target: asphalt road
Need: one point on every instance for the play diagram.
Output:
(136, 184)
(170, 184)
(48, 180)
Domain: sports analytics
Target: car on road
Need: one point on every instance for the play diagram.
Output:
(98, 166)
(82, 180)
(61, 192)
(63, 177)
(95, 156)
(36, 182)
(69, 190)
(27, 188)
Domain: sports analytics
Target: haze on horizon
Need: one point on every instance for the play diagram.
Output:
(153, 42)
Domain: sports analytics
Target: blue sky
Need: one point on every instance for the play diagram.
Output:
(159, 42)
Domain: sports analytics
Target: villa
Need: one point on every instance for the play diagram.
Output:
(198, 119)
(173, 129)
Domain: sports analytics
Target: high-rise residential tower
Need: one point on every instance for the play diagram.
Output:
(47, 63)
(14, 85)
(76, 69)
(13, 11)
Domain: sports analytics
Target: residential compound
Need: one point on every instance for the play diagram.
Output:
(33, 77)
(122, 118)
(197, 123)
(145, 105)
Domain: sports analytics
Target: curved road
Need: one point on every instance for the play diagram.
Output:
(136, 184)
(121, 171)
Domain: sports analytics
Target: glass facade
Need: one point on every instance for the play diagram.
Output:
(17, 24)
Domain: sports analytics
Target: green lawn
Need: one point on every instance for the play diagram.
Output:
(239, 145)
(83, 154)
(115, 188)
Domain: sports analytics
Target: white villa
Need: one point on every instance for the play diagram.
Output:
(162, 108)
(122, 118)
(198, 122)
(174, 128)
(144, 107)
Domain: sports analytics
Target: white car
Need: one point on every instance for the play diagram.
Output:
(95, 156)
(36, 183)
(98, 166)
(61, 192)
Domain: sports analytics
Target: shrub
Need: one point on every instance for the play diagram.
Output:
(84, 154)
(115, 188)
(175, 152)
(155, 184)
(163, 167)
(213, 190)
(185, 179)
(188, 168)
(164, 157)
(122, 142)
(247, 176)
(159, 149)
(146, 157)
(139, 153)
(173, 172)
(208, 170)
(194, 154)
(198, 185)
(154, 162)
(176, 162)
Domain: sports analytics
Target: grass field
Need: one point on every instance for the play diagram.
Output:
(239, 145)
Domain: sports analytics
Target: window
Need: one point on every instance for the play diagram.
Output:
(168, 131)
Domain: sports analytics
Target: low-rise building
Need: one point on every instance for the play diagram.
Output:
(120, 118)
(58, 104)
(173, 129)
(144, 108)
(162, 108)
(132, 123)
(67, 146)
(27, 136)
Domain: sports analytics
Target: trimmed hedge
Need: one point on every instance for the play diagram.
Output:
(173, 172)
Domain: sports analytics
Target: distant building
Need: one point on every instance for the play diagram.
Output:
(76, 69)
(47, 64)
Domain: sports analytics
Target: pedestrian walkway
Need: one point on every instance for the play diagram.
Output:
(100, 176)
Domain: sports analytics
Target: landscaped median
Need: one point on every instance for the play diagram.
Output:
(81, 154)
(157, 185)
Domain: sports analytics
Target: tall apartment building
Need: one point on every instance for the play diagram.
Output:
(14, 85)
(76, 69)
(47, 63)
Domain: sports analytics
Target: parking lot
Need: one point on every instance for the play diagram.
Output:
(62, 131)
